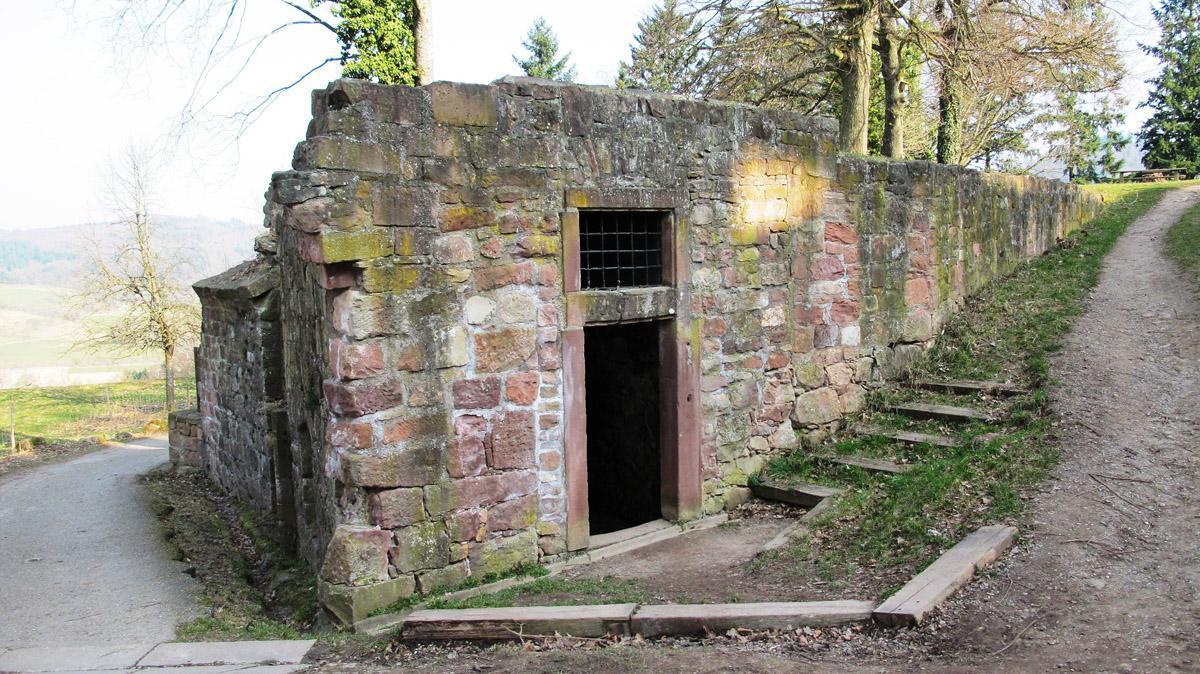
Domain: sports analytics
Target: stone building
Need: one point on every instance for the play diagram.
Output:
(491, 321)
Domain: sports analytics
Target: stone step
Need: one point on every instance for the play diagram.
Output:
(864, 462)
(698, 619)
(928, 589)
(935, 411)
(911, 437)
(807, 495)
(518, 622)
(972, 386)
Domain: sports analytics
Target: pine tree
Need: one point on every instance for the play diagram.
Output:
(543, 60)
(1171, 136)
(668, 54)
(1085, 139)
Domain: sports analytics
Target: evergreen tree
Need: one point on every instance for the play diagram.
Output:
(1171, 136)
(378, 40)
(543, 60)
(667, 55)
(1085, 139)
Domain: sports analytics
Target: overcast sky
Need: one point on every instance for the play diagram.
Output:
(73, 100)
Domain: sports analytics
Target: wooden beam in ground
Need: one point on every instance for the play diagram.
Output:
(911, 437)
(807, 495)
(685, 619)
(928, 589)
(517, 622)
(866, 463)
(932, 411)
(972, 386)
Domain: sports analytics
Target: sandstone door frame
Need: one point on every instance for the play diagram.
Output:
(679, 387)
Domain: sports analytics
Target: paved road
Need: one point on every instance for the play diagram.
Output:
(82, 560)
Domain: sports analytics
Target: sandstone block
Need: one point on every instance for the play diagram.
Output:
(412, 465)
(819, 406)
(463, 104)
(421, 546)
(519, 513)
(516, 307)
(363, 396)
(478, 309)
(506, 349)
(490, 278)
(521, 388)
(356, 360)
(393, 508)
(446, 577)
(356, 556)
(476, 393)
(366, 244)
(351, 604)
(497, 555)
(468, 456)
(453, 248)
(513, 440)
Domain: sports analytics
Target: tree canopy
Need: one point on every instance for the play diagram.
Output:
(1171, 136)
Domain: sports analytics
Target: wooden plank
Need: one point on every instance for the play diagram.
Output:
(932, 411)
(687, 619)
(928, 589)
(807, 495)
(864, 462)
(972, 386)
(516, 622)
(784, 536)
(908, 436)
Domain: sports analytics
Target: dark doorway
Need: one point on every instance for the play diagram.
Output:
(622, 378)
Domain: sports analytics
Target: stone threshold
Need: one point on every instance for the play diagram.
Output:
(611, 544)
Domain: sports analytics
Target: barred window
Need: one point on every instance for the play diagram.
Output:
(621, 249)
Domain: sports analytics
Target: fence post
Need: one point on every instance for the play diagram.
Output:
(12, 422)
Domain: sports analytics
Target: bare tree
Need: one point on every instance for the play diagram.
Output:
(385, 40)
(138, 276)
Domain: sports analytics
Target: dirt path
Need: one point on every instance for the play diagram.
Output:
(82, 560)
(1111, 578)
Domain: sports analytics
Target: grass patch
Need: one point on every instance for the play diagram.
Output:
(885, 522)
(1182, 243)
(74, 412)
(527, 570)
(556, 591)
(252, 588)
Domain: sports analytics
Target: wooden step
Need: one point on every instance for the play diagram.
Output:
(698, 619)
(867, 463)
(972, 386)
(807, 495)
(911, 603)
(933, 411)
(912, 437)
(519, 621)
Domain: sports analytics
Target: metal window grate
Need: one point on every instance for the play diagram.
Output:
(620, 249)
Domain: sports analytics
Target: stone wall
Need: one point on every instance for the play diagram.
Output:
(184, 445)
(432, 312)
(240, 380)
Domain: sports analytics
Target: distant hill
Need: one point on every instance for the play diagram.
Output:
(52, 256)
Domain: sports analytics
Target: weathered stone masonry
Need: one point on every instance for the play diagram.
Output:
(432, 312)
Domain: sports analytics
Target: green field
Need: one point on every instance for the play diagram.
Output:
(39, 327)
(73, 412)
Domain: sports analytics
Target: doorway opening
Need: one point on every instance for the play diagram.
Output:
(623, 374)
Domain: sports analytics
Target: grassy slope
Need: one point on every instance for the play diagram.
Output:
(1183, 243)
(1006, 332)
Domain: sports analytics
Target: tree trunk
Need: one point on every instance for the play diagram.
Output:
(894, 95)
(423, 35)
(856, 76)
(170, 377)
(949, 132)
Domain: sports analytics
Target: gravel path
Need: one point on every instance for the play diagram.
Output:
(82, 560)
